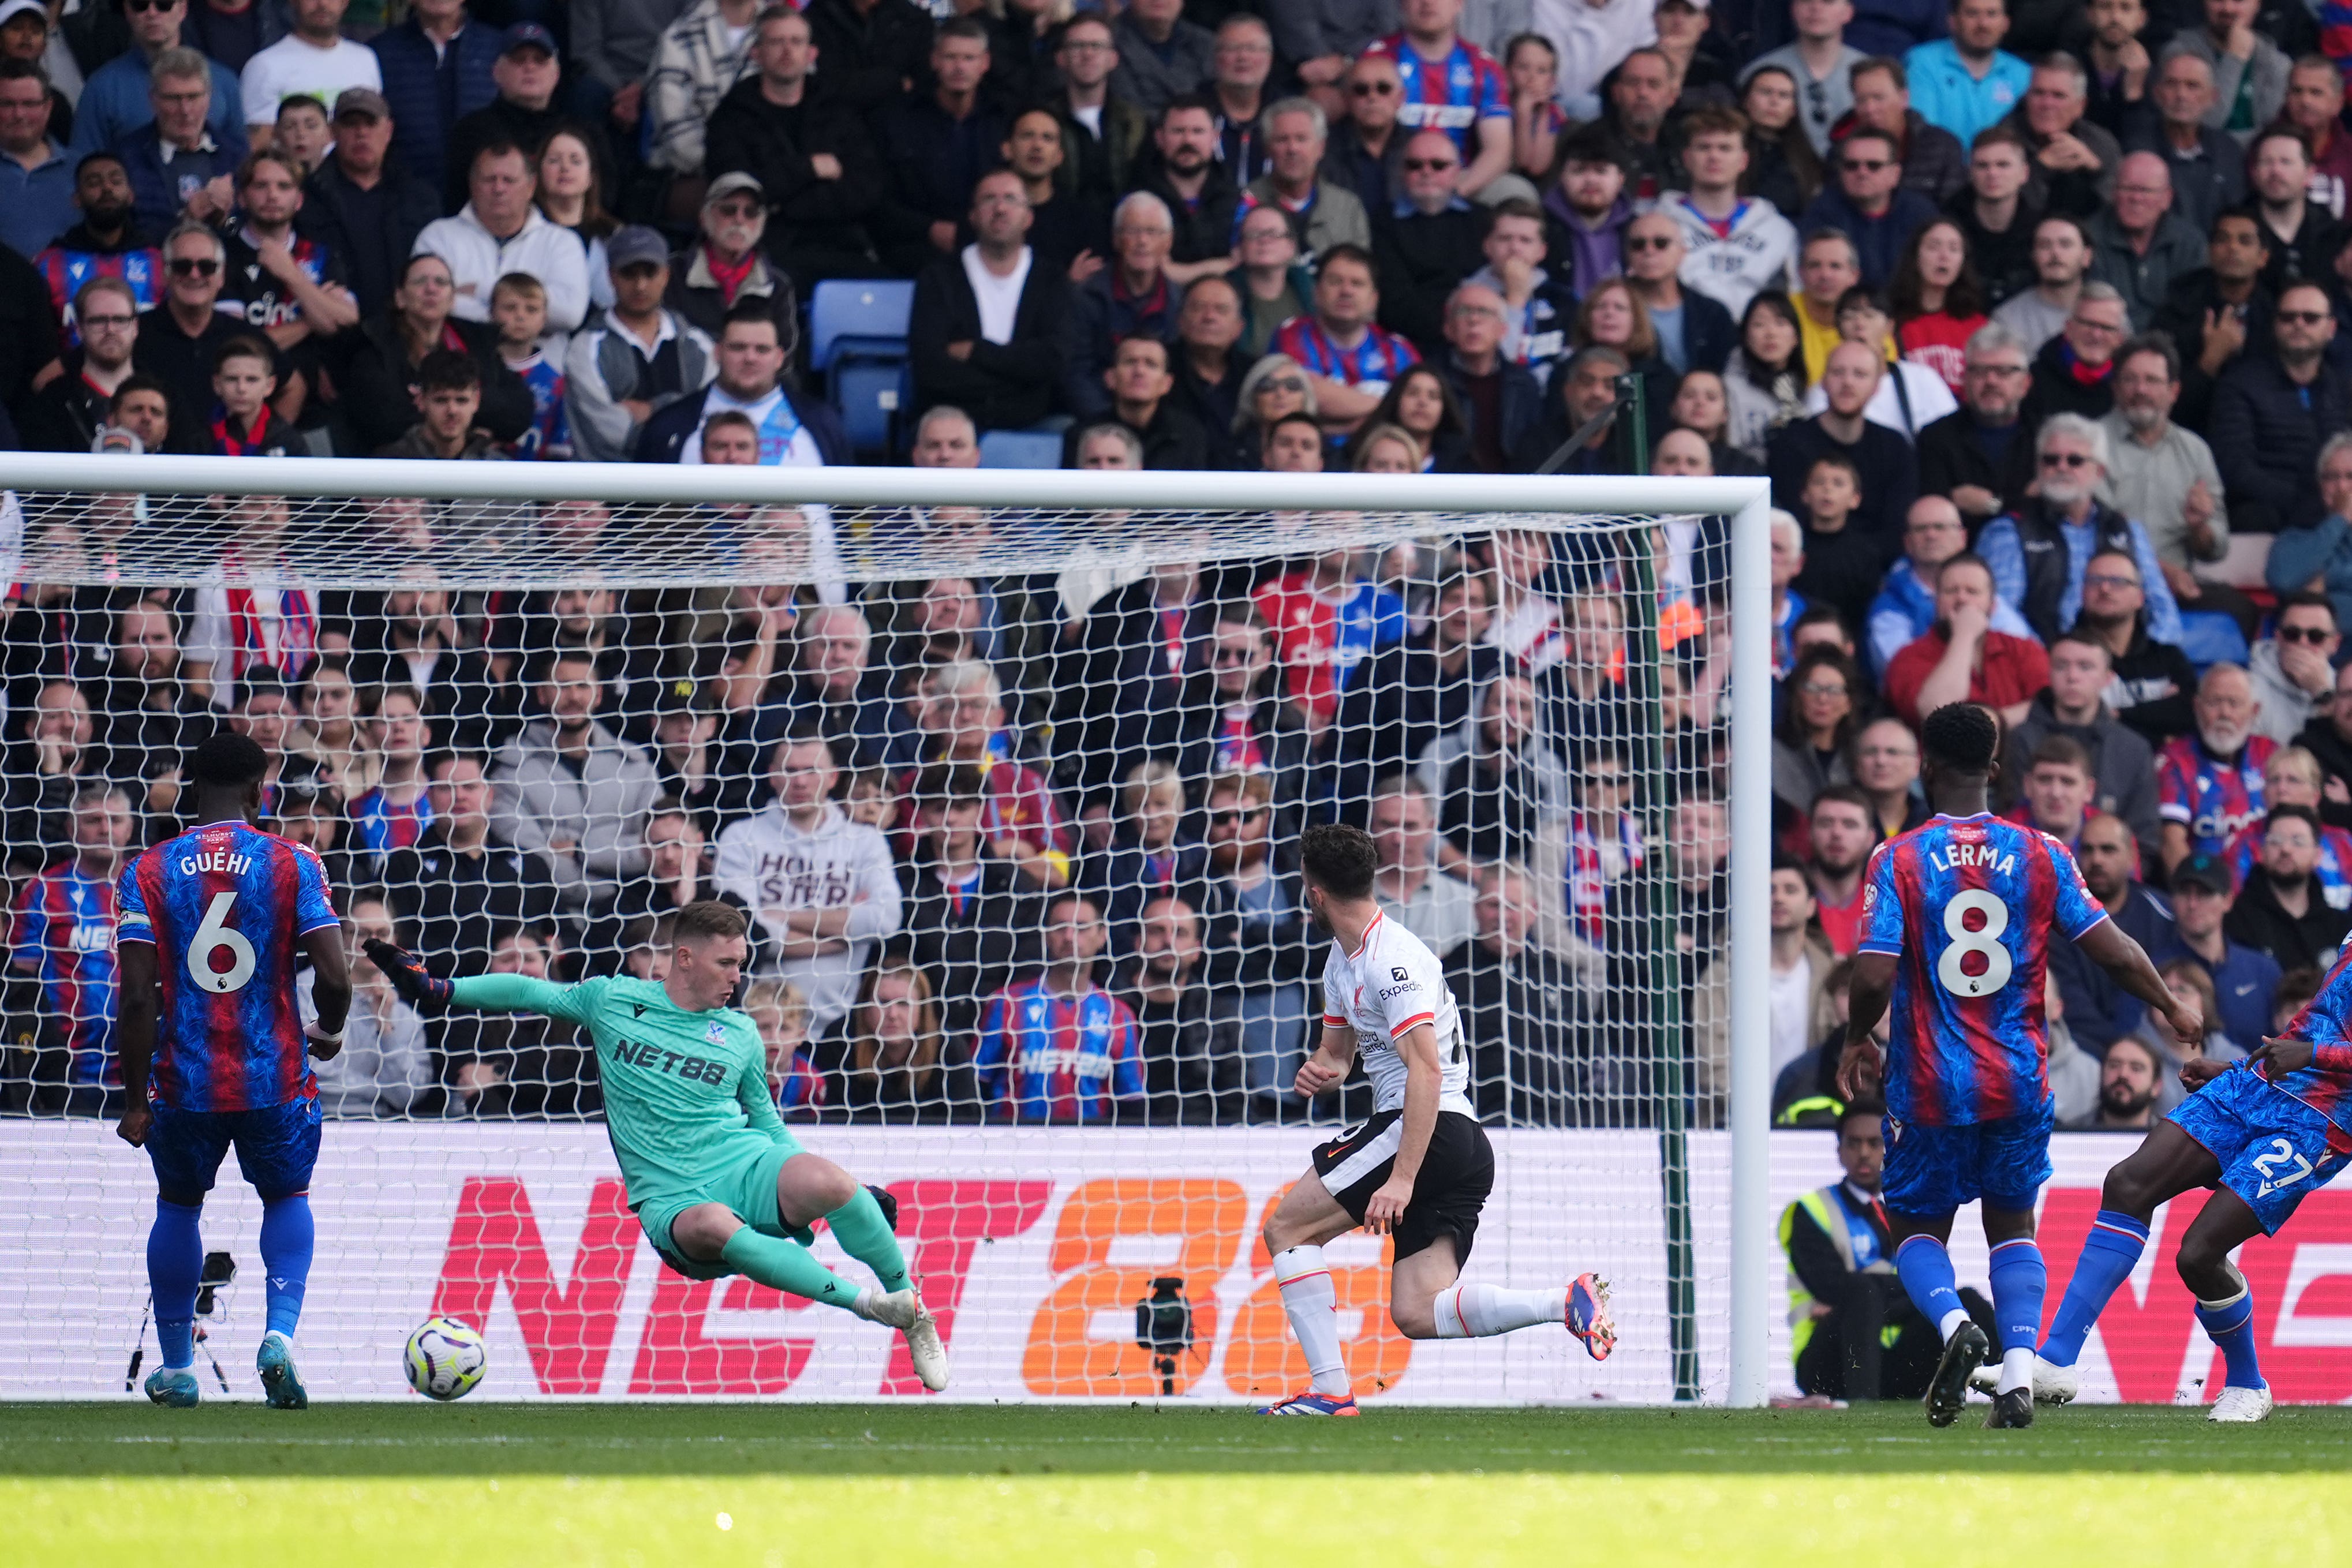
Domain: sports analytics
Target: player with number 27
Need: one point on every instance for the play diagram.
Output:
(1958, 915)
(210, 926)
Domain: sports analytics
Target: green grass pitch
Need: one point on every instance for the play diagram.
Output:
(556, 1485)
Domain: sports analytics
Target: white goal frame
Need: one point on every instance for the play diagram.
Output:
(1747, 501)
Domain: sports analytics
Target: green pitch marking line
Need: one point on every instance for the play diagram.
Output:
(358, 1485)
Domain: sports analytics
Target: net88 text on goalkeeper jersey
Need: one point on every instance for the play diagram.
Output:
(686, 1093)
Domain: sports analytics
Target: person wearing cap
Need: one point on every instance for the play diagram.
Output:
(499, 231)
(700, 58)
(808, 148)
(114, 100)
(438, 66)
(365, 204)
(727, 262)
(2244, 979)
(315, 58)
(640, 359)
(528, 72)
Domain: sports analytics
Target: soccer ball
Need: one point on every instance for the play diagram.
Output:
(445, 1358)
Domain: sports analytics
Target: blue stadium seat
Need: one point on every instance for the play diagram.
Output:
(860, 317)
(1020, 449)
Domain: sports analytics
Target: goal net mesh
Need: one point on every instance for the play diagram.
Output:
(1012, 799)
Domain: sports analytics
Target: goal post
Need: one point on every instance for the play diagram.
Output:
(739, 571)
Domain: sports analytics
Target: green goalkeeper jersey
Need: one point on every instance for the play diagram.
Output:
(685, 1094)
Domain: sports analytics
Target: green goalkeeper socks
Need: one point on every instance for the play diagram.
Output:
(787, 1265)
(867, 1237)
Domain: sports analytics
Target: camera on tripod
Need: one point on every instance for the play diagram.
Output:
(1164, 1326)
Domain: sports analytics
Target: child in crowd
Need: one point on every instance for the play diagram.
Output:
(781, 1013)
(518, 305)
(302, 131)
(1843, 565)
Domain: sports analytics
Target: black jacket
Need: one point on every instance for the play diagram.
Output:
(65, 415)
(2004, 261)
(2190, 300)
(1519, 1018)
(2257, 920)
(2057, 390)
(529, 129)
(868, 58)
(453, 907)
(998, 938)
(1422, 256)
(1951, 455)
(774, 145)
(1398, 701)
(1710, 334)
(2334, 754)
(379, 386)
(2266, 438)
(1890, 472)
(2205, 184)
(1519, 404)
(1246, 954)
(1204, 229)
(2047, 558)
(372, 231)
(2157, 687)
(1115, 689)
(1192, 1051)
(665, 434)
(933, 161)
(1001, 385)
(1173, 439)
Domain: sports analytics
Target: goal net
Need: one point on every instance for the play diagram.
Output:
(1008, 773)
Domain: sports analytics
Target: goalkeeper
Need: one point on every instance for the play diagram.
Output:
(719, 1184)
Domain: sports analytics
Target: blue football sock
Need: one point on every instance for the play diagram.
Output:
(1926, 1270)
(286, 1240)
(2109, 1254)
(175, 1260)
(2230, 1325)
(2020, 1280)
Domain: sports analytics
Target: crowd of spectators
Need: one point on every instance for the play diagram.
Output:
(2030, 320)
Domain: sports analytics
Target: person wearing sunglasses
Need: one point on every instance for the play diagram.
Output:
(177, 342)
(1934, 163)
(1868, 203)
(2294, 668)
(2041, 554)
(2272, 413)
(1366, 146)
(1432, 241)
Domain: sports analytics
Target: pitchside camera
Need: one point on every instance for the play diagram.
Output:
(1164, 1326)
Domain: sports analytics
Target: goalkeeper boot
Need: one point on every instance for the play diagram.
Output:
(275, 1362)
(2053, 1384)
(174, 1386)
(1947, 1392)
(1588, 1315)
(1314, 1404)
(904, 1311)
(2014, 1408)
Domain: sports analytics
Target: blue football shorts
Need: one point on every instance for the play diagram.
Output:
(276, 1146)
(1932, 1171)
(2273, 1147)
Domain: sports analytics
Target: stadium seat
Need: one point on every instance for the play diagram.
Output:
(861, 318)
(869, 393)
(1020, 449)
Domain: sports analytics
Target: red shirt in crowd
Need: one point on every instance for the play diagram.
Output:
(2011, 670)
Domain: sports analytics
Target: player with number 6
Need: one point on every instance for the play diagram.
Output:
(1956, 918)
(210, 926)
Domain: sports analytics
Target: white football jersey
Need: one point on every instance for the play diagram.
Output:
(1381, 990)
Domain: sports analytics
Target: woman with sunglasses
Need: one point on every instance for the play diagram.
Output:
(1782, 166)
(1938, 302)
(1613, 317)
(1420, 403)
(572, 195)
(1764, 379)
(1274, 281)
(1275, 388)
(379, 397)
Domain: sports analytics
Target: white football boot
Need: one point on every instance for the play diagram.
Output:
(904, 1311)
(2053, 1384)
(2241, 1406)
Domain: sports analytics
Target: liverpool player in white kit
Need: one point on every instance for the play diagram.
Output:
(1420, 1169)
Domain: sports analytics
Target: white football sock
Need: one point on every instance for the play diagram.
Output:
(1952, 1320)
(1312, 1304)
(1478, 1311)
(2016, 1369)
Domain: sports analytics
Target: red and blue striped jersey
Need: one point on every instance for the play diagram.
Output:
(65, 271)
(2326, 1021)
(2211, 798)
(1967, 905)
(1379, 358)
(1045, 1058)
(65, 940)
(224, 906)
(385, 827)
(1450, 95)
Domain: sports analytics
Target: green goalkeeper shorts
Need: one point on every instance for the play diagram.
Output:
(748, 1188)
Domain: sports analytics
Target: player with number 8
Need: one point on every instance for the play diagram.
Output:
(1956, 918)
(209, 928)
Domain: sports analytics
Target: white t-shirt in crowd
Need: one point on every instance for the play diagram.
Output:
(290, 66)
(1000, 297)
(1790, 1000)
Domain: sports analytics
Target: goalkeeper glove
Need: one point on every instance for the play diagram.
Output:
(417, 986)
